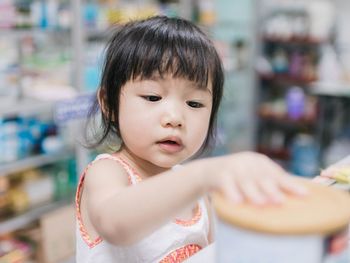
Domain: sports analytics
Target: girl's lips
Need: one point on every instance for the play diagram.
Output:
(171, 146)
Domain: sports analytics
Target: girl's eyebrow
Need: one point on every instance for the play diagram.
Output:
(194, 85)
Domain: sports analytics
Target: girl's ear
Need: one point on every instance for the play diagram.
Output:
(101, 98)
(101, 95)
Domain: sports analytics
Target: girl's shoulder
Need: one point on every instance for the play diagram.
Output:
(106, 170)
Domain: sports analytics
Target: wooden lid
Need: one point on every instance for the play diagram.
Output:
(323, 211)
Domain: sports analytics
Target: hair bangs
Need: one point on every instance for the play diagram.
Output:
(162, 54)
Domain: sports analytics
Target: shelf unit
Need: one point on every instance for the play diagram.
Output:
(22, 106)
(292, 67)
(19, 221)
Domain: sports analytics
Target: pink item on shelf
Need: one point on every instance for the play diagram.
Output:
(8, 14)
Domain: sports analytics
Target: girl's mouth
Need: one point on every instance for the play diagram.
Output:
(170, 146)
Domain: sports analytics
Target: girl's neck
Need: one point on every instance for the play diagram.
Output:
(143, 167)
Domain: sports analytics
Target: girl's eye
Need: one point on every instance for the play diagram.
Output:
(195, 104)
(151, 98)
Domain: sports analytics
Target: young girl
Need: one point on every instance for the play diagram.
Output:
(160, 92)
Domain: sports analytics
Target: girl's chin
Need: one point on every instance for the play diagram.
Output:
(168, 163)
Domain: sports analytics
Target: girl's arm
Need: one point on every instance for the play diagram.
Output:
(124, 215)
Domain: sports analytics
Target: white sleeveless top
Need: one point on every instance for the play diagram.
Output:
(174, 242)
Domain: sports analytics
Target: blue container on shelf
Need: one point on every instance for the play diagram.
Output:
(304, 156)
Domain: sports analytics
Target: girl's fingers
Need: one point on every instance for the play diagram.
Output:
(288, 184)
(328, 172)
(258, 180)
(231, 190)
(251, 191)
(271, 189)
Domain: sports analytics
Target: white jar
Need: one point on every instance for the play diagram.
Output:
(311, 229)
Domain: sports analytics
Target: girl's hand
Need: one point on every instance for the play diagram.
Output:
(255, 178)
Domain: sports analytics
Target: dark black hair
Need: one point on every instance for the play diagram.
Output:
(157, 45)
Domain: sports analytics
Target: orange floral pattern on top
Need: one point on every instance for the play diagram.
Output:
(181, 254)
(193, 220)
(129, 169)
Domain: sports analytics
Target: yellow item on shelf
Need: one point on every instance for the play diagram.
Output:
(18, 199)
(342, 176)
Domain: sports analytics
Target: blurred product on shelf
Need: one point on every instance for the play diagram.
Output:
(13, 249)
(295, 100)
(297, 20)
(329, 69)
(27, 14)
(32, 188)
(9, 71)
(21, 137)
(4, 196)
(46, 241)
(284, 109)
(206, 12)
(279, 61)
(304, 156)
(337, 174)
(342, 176)
(8, 14)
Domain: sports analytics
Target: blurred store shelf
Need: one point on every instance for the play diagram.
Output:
(330, 89)
(286, 79)
(283, 121)
(22, 220)
(24, 106)
(33, 161)
(26, 32)
(294, 40)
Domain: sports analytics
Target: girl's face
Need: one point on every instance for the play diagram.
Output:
(164, 121)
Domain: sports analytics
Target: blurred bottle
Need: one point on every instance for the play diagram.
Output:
(280, 61)
(296, 64)
(329, 69)
(295, 100)
(304, 156)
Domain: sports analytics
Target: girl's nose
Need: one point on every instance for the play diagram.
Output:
(172, 118)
